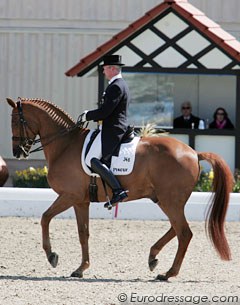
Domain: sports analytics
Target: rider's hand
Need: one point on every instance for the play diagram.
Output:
(84, 116)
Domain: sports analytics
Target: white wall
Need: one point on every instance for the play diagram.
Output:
(21, 202)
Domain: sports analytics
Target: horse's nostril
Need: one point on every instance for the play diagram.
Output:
(17, 152)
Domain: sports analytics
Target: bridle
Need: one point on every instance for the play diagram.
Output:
(26, 142)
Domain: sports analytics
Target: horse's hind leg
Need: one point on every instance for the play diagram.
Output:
(184, 235)
(60, 204)
(157, 247)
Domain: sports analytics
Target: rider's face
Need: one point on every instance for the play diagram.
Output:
(109, 71)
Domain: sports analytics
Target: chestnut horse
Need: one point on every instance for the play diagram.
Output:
(165, 170)
(4, 173)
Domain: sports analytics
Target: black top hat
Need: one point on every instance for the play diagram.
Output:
(115, 60)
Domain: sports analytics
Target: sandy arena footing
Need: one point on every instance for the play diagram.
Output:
(119, 271)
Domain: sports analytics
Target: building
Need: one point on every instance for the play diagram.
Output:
(174, 53)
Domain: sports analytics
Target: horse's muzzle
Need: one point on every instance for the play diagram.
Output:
(20, 152)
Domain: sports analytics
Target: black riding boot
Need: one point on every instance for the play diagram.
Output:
(105, 173)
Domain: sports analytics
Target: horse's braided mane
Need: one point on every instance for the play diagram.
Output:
(57, 113)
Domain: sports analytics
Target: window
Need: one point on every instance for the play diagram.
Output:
(157, 97)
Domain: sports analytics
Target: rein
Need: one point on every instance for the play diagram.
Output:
(26, 141)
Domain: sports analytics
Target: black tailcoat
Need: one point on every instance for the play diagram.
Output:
(113, 114)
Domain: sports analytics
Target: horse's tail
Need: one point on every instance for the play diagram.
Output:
(222, 186)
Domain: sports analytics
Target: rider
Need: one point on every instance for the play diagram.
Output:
(113, 114)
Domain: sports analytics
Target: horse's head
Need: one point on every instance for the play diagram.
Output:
(23, 135)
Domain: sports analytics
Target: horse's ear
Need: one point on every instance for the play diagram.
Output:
(11, 102)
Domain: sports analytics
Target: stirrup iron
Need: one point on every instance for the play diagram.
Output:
(110, 204)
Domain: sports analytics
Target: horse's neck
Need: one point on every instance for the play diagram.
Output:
(54, 137)
(53, 129)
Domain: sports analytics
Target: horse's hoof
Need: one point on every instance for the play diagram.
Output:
(162, 277)
(152, 264)
(53, 259)
(77, 274)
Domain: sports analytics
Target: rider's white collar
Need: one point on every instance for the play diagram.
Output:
(119, 75)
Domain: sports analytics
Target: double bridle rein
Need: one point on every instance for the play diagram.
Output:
(25, 142)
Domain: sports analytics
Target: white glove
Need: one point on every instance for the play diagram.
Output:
(84, 116)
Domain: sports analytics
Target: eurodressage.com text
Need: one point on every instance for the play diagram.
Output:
(135, 298)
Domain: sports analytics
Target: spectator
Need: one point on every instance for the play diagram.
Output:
(187, 119)
(221, 120)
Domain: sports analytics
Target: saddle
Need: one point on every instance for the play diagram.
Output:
(128, 137)
(122, 163)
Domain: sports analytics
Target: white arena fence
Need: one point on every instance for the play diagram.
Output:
(32, 202)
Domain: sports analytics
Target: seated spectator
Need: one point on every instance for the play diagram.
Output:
(187, 119)
(221, 120)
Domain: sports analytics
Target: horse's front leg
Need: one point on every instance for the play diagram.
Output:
(61, 204)
(82, 215)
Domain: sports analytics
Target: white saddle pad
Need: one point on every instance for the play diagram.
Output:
(121, 164)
